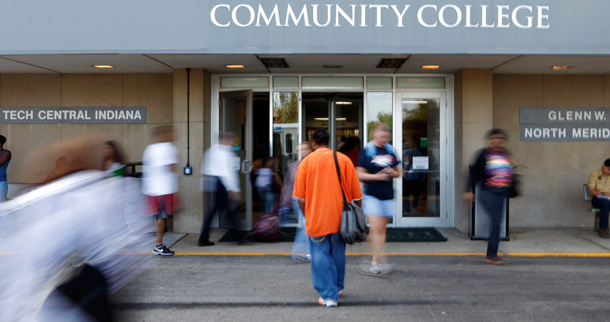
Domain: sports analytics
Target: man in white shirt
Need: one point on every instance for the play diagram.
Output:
(219, 183)
(160, 182)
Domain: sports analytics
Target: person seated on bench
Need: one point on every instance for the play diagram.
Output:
(599, 189)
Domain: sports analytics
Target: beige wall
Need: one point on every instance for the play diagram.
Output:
(154, 91)
(553, 172)
(473, 116)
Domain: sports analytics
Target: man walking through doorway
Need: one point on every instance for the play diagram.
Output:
(318, 192)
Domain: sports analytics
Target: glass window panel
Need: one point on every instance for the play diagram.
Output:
(244, 82)
(379, 110)
(421, 156)
(420, 82)
(326, 82)
(379, 82)
(286, 82)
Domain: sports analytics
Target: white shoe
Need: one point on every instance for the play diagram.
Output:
(328, 303)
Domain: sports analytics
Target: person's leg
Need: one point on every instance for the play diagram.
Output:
(416, 191)
(161, 223)
(208, 199)
(301, 246)
(377, 235)
(604, 209)
(5, 223)
(323, 268)
(493, 204)
(337, 252)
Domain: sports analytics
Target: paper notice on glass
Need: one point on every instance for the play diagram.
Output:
(420, 163)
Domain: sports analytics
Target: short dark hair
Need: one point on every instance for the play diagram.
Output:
(493, 132)
(607, 162)
(320, 136)
(2, 139)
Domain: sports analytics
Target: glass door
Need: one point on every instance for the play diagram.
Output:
(235, 117)
(421, 139)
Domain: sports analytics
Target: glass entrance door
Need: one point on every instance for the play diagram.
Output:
(235, 116)
(420, 137)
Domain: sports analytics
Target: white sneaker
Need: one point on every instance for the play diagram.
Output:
(328, 303)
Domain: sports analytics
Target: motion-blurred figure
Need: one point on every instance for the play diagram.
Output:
(377, 166)
(220, 184)
(114, 161)
(492, 173)
(160, 182)
(70, 237)
(411, 179)
(300, 247)
(5, 159)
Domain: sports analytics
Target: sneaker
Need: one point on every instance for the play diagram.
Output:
(495, 260)
(327, 303)
(301, 257)
(205, 243)
(603, 233)
(162, 250)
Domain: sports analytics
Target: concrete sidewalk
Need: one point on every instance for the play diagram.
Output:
(542, 242)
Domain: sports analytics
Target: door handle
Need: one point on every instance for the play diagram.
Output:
(245, 166)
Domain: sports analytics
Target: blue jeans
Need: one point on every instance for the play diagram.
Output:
(5, 221)
(268, 197)
(301, 243)
(493, 202)
(328, 265)
(604, 208)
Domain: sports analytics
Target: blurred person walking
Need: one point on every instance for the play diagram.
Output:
(377, 165)
(220, 185)
(300, 247)
(159, 181)
(412, 179)
(114, 161)
(492, 173)
(90, 220)
(318, 192)
(5, 159)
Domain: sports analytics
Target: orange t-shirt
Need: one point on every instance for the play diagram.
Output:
(318, 185)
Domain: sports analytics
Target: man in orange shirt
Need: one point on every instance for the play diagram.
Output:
(317, 189)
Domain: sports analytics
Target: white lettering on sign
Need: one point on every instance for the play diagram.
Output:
(570, 116)
(591, 133)
(545, 133)
(427, 15)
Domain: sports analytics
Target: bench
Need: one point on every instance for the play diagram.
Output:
(585, 188)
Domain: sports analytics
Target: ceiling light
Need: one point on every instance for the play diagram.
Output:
(415, 102)
(391, 63)
(274, 62)
(561, 67)
(326, 118)
(103, 66)
(234, 66)
(430, 66)
(343, 103)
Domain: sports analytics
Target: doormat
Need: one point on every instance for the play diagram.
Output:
(393, 235)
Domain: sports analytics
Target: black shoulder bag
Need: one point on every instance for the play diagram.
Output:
(353, 222)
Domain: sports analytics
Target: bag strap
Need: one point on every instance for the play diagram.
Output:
(339, 175)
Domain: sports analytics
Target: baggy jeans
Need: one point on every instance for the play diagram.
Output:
(604, 209)
(328, 265)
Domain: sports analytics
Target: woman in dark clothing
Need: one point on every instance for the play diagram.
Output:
(492, 172)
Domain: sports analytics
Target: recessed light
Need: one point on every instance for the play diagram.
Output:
(430, 66)
(103, 66)
(343, 103)
(234, 66)
(556, 67)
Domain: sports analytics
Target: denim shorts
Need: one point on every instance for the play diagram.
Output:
(381, 208)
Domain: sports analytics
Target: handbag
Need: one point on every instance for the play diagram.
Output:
(353, 222)
(515, 190)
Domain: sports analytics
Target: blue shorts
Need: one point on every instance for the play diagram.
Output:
(376, 207)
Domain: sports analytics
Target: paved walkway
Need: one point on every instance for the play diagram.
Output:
(540, 242)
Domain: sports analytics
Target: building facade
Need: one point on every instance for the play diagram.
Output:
(441, 73)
